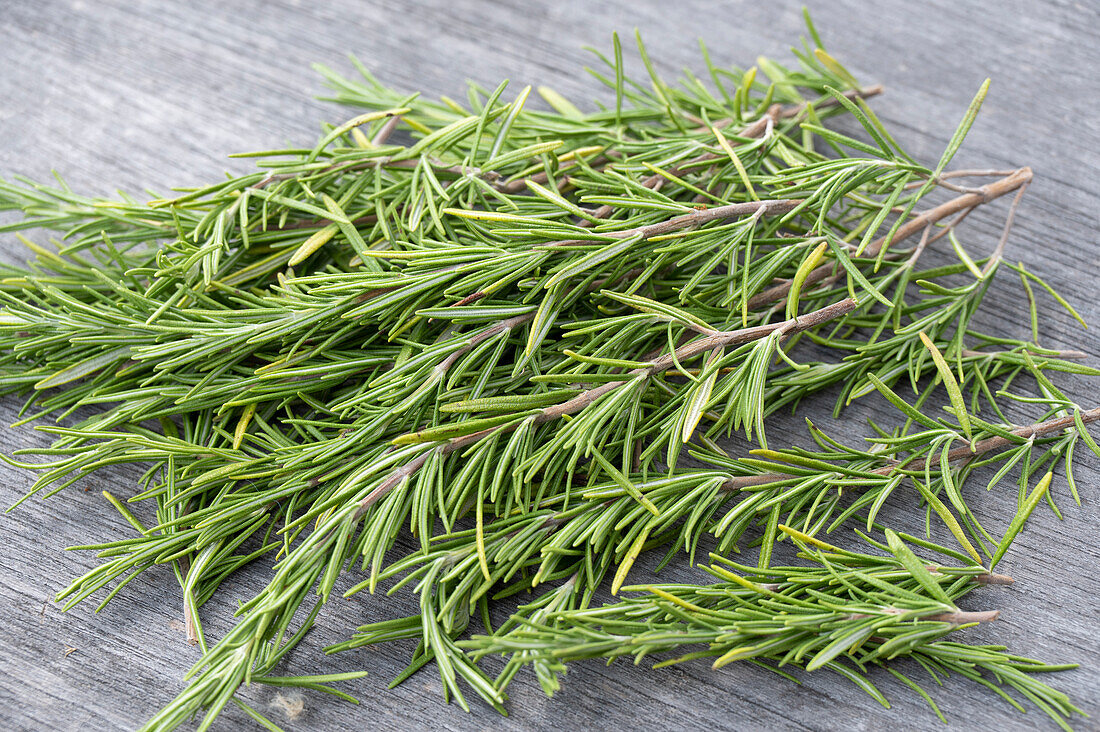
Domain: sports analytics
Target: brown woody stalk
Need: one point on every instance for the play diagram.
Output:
(694, 218)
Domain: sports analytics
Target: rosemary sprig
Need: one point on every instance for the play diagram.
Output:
(500, 332)
(845, 611)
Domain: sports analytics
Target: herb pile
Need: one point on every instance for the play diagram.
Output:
(519, 337)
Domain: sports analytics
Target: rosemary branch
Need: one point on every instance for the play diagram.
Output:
(963, 453)
(1015, 181)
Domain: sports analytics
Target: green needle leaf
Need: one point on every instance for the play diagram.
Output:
(84, 368)
(963, 128)
(623, 482)
(1021, 517)
(841, 255)
(958, 403)
(560, 104)
(808, 265)
(916, 567)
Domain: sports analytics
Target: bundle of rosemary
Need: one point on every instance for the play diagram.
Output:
(519, 337)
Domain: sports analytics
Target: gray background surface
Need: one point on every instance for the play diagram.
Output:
(142, 95)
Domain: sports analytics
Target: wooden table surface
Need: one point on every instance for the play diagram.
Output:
(146, 95)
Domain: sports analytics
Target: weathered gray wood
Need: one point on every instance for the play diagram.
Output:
(144, 94)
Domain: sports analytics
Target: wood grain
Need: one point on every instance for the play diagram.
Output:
(153, 94)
